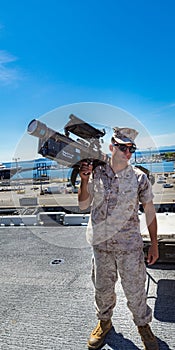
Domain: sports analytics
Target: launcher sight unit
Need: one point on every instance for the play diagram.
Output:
(67, 151)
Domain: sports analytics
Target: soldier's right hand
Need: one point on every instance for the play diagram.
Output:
(85, 170)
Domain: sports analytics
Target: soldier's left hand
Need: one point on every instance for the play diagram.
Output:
(153, 254)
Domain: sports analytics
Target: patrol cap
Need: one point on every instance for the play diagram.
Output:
(124, 135)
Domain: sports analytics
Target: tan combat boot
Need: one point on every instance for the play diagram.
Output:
(148, 338)
(98, 334)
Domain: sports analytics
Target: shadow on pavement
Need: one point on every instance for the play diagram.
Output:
(163, 345)
(164, 310)
(116, 341)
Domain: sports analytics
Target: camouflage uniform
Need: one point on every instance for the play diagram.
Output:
(114, 233)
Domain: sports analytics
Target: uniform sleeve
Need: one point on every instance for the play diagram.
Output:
(145, 189)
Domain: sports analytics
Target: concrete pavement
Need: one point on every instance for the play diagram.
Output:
(47, 298)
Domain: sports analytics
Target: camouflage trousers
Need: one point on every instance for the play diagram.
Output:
(106, 266)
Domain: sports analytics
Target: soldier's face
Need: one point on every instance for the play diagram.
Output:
(121, 155)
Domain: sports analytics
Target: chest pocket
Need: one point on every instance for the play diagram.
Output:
(128, 190)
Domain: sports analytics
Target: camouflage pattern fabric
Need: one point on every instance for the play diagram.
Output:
(114, 233)
(114, 217)
(130, 265)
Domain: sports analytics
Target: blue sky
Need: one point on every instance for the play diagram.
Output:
(65, 53)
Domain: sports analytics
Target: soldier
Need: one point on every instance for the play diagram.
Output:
(114, 191)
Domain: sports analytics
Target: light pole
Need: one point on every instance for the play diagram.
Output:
(16, 162)
(150, 149)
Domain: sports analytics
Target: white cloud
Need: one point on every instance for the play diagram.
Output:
(168, 106)
(145, 141)
(7, 75)
(165, 139)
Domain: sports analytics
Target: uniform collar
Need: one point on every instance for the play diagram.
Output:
(126, 172)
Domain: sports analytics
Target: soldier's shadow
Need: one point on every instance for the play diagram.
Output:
(116, 341)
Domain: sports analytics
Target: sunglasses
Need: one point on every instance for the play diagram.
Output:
(123, 148)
